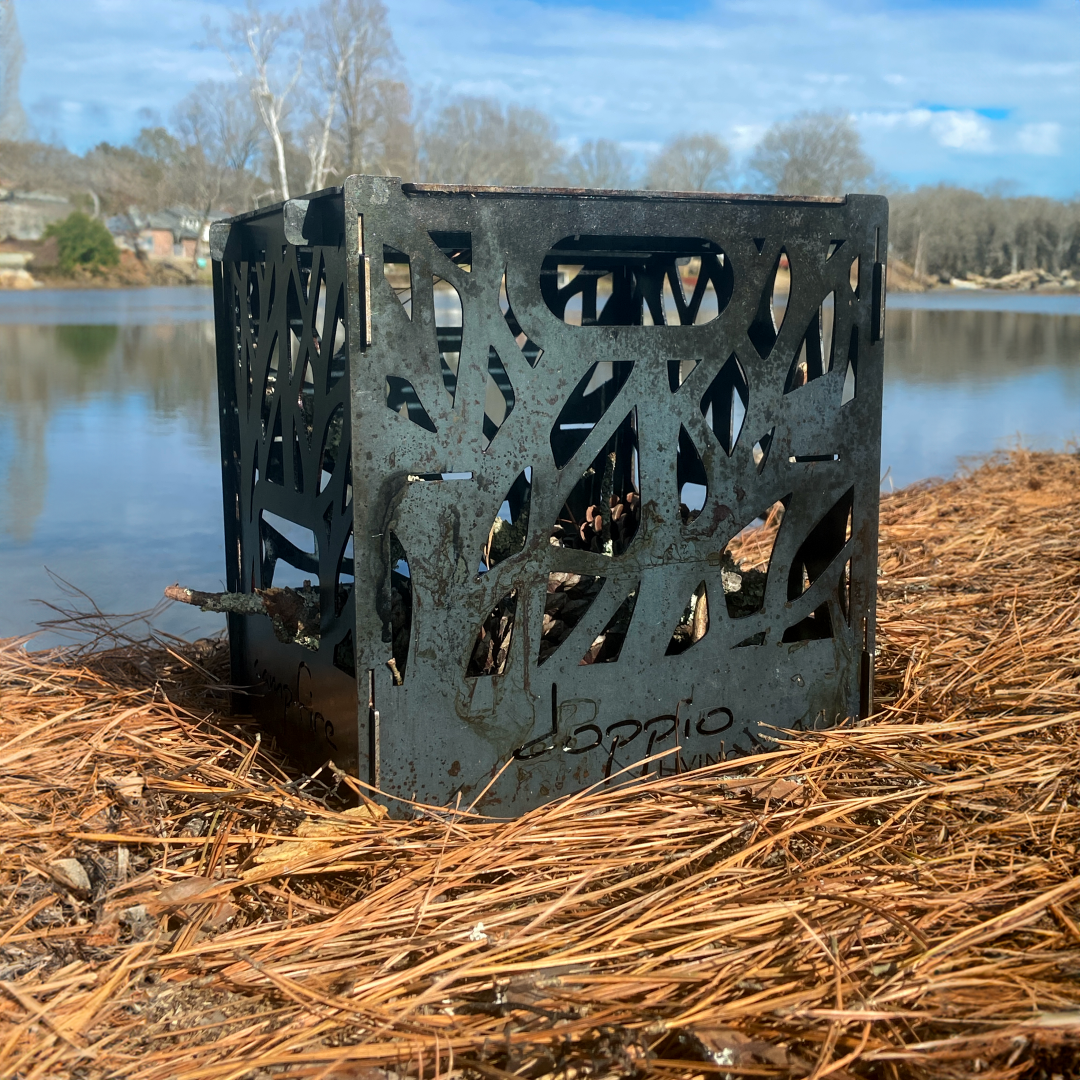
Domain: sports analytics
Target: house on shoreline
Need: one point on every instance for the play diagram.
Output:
(25, 215)
(176, 233)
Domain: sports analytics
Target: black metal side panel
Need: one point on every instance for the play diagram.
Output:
(284, 389)
(588, 441)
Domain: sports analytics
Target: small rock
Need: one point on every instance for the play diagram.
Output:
(135, 915)
(71, 874)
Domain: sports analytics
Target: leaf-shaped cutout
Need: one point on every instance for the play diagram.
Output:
(456, 246)
(270, 383)
(815, 627)
(331, 445)
(693, 623)
(334, 345)
(346, 495)
(667, 297)
(447, 303)
(586, 406)
(298, 463)
(853, 275)
(691, 479)
(305, 400)
(499, 399)
(275, 459)
(290, 543)
(815, 355)
(492, 647)
(250, 296)
(608, 643)
(708, 305)
(569, 597)
(397, 270)
(529, 349)
(245, 351)
(402, 398)
(271, 294)
(822, 545)
(401, 610)
(678, 371)
(603, 510)
(725, 402)
(318, 326)
(772, 307)
(700, 287)
(305, 262)
(748, 560)
(844, 591)
(834, 247)
(295, 318)
(760, 449)
(510, 529)
(852, 374)
(759, 243)
(344, 576)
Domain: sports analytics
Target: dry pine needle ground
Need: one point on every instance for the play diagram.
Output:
(900, 899)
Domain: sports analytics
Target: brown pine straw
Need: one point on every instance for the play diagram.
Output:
(898, 899)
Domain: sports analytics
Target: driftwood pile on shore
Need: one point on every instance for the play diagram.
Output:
(897, 899)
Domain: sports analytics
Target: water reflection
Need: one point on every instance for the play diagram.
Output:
(109, 463)
(169, 367)
(964, 383)
(966, 346)
(109, 457)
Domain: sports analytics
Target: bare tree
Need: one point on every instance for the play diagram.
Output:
(12, 117)
(256, 39)
(815, 153)
(472, 141)
(600, 163)
(225, 124)
(219, 135)
(354, 50)
(690, 163)
(948, 232)
(145, 174)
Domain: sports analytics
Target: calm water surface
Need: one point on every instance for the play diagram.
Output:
(109, 460)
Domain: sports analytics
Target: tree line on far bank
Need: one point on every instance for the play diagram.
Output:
(312, 101)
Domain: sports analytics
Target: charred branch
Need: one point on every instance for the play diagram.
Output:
(295, 613)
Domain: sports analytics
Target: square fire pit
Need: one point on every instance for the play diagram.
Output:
(506, 436)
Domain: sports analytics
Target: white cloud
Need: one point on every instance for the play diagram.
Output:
(1044, 138)
(729, 66)
(961, 131)
(743, 137)
(954, 129)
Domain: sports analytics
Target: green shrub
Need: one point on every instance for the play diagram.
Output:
(82, 241)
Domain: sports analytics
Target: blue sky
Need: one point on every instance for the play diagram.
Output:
(966, 92)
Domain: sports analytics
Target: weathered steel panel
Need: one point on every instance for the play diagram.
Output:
(563, 405)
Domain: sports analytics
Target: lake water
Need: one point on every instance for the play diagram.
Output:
(109, 459)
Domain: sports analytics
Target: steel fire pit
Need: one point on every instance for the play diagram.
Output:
(507, 435)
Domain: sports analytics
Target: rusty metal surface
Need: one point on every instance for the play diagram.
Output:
(560, 723)
(562, 407)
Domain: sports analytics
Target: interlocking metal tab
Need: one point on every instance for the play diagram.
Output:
(509, 435)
